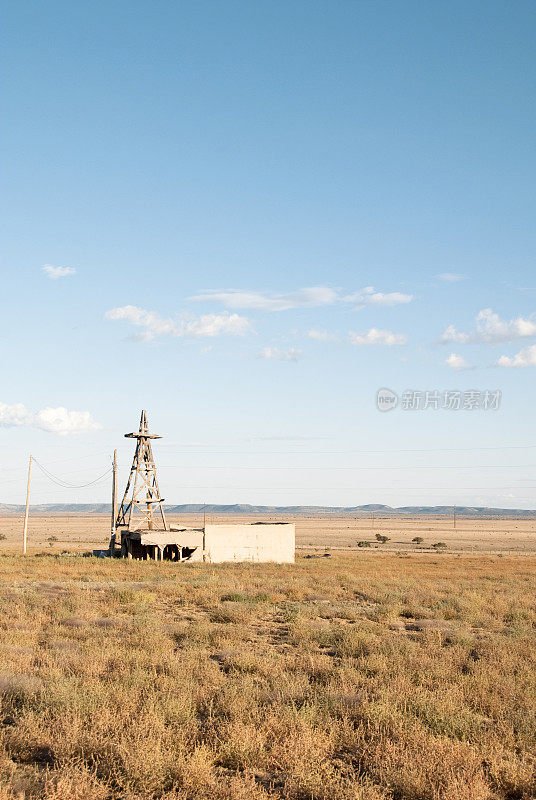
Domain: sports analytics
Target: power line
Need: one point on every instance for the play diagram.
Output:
(328, 468)
(405, 467)
(65, 484)
(412, 488)
(342, 452)
(23, 470)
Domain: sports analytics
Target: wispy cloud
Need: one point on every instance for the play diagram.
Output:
(290, 438)
(490, 329)
(54, 273)
(457, 362)
(320, 335)
(376, 336)
(525, 358)
(372, 336)
(55, 420)
(311, 297)
(280, 355)
(370, 297)
(451, 277)
(207, 325)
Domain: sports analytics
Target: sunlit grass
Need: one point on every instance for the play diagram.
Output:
(358, 676)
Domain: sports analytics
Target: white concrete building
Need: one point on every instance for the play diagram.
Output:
(258, 541)
(214, 544)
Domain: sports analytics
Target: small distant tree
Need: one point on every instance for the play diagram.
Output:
(382, 539)
(51, 540)
(440, 546)
(418, 539)
(2, 536)
(363, 544)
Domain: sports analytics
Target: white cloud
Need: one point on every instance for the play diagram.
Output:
(60, 420)
(491, 329)
(55, 420)
(57, 272)
(207, 325)
(525, 358)
(451, 277)
(280, 355)
(311, 297)
(376, 336)
(456, 362)
(15, 415)
(293, 438)
(322, 336)
(368, 296)
(450, 334)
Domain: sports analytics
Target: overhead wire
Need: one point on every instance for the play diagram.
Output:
(66, 484)
(328, 468)
(198, 449)
(367, 488)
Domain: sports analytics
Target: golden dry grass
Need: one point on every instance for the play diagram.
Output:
(352, 677)
(78, 532)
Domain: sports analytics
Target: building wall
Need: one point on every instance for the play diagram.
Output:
(250, 543)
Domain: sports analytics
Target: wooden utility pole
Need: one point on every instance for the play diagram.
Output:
(114, 504)
(25, 533)
(204, 515)
(454, 517)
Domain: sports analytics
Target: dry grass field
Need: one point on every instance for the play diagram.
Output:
(363, 675)
(515, 536)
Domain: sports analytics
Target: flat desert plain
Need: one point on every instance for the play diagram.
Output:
(370, 675)
(515, 536)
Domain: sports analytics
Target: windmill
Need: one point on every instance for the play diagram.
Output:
(144, 533)
(141, 502)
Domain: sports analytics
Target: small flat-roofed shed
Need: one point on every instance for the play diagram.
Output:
(254, 542)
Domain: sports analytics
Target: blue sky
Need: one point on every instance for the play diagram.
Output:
(248, 217)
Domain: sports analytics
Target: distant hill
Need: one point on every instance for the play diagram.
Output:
(52, 509)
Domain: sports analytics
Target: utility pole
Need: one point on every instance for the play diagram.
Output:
(114, 503)
(25, 534)
(204, 515)
(454, 517)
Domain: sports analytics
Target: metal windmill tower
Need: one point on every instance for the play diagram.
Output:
(138, 510)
